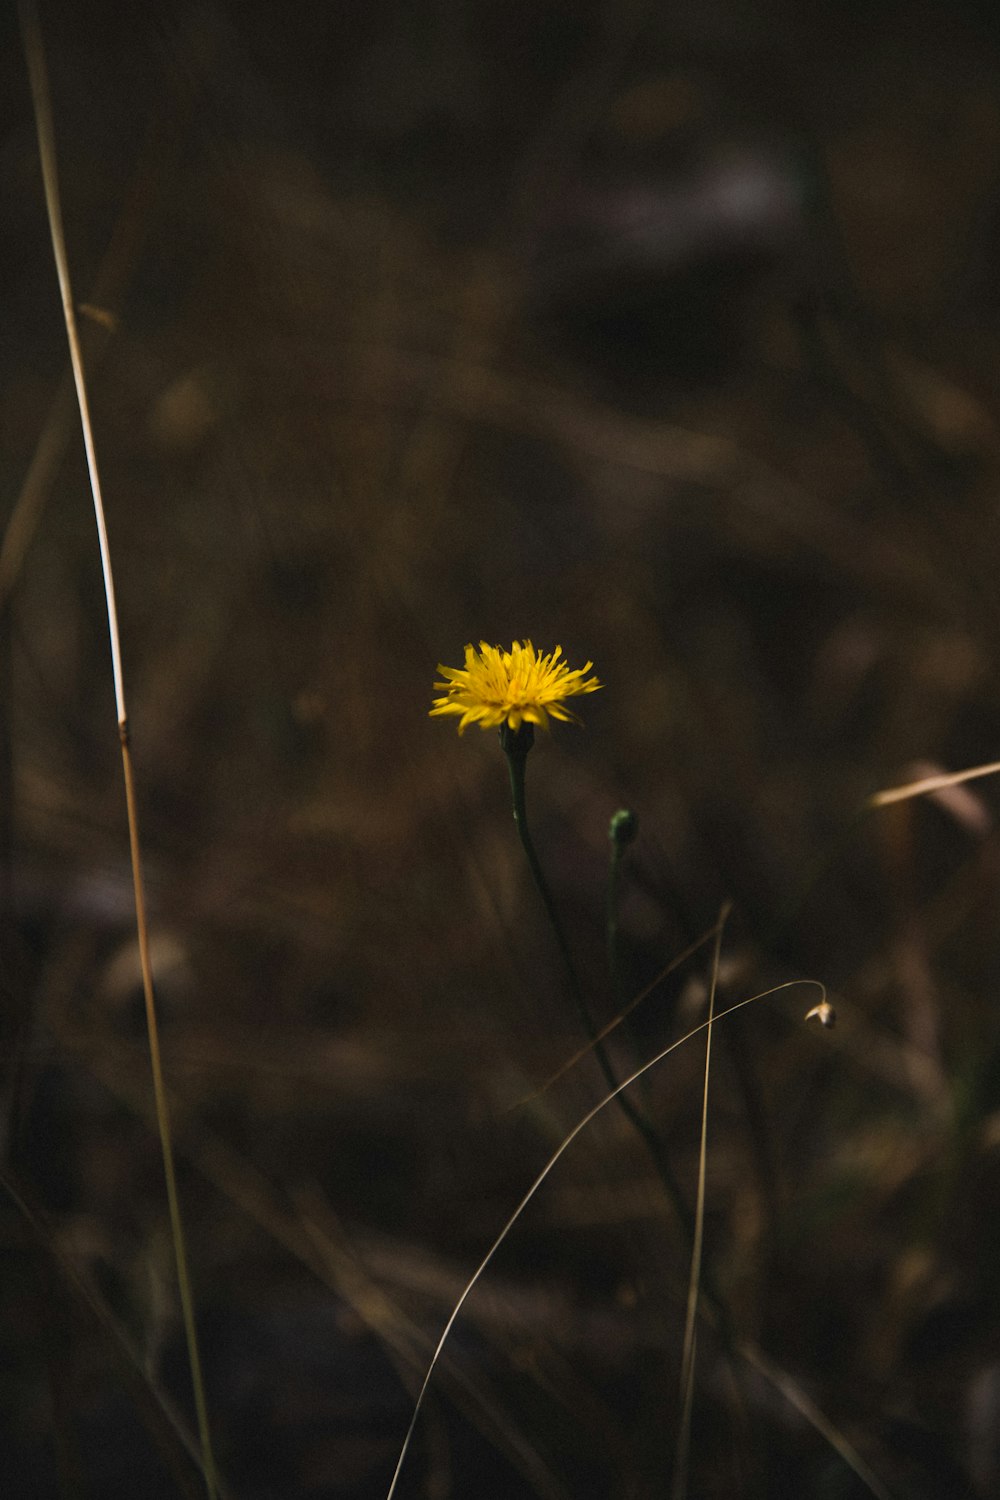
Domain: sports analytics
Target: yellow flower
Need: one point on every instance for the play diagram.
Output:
(514, 687)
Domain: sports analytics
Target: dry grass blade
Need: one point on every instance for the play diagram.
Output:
(162, 1422)
(807, 1408)
(546, 1171)
(27, 511)
(929, 784)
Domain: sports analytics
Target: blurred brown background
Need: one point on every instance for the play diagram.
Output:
(667, 334)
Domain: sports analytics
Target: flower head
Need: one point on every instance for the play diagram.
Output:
(515, 687)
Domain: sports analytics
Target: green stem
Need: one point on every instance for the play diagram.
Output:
(516, 746)
(622, 831)
(619, 841)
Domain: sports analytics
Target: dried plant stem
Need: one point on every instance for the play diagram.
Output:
(38, 78)
(928, 784)
(690, 1346)
(163, 1122)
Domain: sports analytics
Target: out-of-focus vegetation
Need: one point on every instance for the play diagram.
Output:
(669, 335)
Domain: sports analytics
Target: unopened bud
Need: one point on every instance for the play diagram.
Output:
(624, 827)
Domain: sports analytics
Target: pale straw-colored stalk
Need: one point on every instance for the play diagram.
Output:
(38, 78)
(690, 1345)
(926, 785)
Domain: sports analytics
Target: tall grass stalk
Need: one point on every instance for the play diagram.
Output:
(679, 1489)
(41, 100)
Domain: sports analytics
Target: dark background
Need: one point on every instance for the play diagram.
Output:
(670, 334)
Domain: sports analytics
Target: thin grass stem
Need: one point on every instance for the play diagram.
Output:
(754, 1356)
(690, 1346)
(623, 1015)
(38, 78)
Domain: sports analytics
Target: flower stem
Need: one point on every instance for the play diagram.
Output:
(621, 833)
(516, 745)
